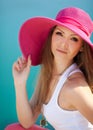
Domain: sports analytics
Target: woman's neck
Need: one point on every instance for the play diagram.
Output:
(59, 68)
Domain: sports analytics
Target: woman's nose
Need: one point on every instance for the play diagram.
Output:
(64, 43)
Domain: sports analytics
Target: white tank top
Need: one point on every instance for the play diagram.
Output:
(62, 119)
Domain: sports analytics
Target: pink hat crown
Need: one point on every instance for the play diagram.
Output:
(78, 17)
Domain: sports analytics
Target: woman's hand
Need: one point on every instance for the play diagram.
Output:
(21, 70)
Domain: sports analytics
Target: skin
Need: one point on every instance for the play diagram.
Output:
(75, 94)
(65, 46)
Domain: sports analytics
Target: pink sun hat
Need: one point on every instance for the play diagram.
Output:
(34, 32)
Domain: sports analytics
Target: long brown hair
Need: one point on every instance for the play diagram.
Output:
(42, 88)
(83, 59)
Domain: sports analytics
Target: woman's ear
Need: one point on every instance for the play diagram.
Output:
(81, 49)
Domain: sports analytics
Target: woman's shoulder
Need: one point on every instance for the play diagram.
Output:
(76, 85)
(76, 79)
(77, 88)
(80, 95)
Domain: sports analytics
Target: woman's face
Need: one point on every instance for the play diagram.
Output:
(65, 44)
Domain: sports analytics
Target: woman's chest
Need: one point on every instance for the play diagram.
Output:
(62, 97)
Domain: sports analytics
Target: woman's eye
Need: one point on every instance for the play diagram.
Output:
(75, 39)
(59, 33)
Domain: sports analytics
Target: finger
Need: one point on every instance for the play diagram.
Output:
(29, 61)
(24, 59)
(16, 66)
(19, 61)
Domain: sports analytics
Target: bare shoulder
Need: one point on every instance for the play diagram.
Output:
(80, 95)
(77, 85)
(78, 92)
(75, 88)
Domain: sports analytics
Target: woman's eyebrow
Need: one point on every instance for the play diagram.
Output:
(60, 29)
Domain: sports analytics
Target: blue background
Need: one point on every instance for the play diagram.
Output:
(12, 14)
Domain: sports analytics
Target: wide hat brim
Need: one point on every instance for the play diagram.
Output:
(33, 34)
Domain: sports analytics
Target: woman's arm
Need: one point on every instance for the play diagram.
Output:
(21, 70)
(81, 97)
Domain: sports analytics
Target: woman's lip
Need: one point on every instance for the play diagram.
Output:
(61, 51)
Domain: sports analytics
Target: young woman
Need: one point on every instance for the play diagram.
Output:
(64, 93)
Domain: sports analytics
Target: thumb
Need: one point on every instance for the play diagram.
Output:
(29, 61)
